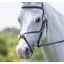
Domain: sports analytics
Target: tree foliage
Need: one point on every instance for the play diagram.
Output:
(8, 42)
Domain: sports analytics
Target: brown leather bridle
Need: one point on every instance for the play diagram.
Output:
(40, 31)
(44, 23)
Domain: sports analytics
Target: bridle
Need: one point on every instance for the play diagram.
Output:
(40, 31)
(44, 23)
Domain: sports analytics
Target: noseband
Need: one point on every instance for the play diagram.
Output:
(44, 23)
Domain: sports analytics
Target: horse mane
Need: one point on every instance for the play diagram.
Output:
(55, 23)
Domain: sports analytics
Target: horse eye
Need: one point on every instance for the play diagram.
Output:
(38, 20)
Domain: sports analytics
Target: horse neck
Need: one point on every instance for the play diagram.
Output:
(55, 24)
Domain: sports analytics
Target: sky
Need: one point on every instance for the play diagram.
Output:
(9, 12)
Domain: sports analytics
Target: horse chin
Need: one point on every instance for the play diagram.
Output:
(24, 56)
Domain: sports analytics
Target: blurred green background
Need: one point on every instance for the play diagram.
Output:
(8, 42)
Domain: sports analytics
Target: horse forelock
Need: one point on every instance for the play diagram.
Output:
(32, 3)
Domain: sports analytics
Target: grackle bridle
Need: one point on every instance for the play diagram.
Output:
(44, 23)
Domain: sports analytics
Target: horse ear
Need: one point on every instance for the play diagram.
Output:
(23, 2)
(26, 3)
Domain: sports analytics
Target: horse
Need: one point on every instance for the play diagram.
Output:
(42, 26)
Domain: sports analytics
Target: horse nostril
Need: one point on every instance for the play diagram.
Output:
(26, 51)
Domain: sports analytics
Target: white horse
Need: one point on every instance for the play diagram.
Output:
(40, 23)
